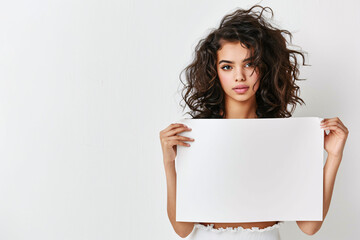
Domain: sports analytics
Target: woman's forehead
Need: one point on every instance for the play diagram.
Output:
(234, 50)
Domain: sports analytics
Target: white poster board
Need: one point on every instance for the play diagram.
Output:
(250, 170)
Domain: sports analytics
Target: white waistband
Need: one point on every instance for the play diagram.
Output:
(231, 229)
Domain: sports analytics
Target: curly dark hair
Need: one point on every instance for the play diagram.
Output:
(277, 73)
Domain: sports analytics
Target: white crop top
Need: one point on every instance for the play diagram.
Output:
(201, 232)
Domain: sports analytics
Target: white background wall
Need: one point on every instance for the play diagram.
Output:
(86, 87)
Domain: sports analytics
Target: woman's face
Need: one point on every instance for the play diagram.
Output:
(234, 68)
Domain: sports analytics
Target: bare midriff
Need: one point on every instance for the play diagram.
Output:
(260, 225)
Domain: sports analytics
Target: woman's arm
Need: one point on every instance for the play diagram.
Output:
(334, 144)
(330, 169)
(183, 229)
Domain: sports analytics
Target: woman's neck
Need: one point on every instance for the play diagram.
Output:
(236, 109)
(240, 116)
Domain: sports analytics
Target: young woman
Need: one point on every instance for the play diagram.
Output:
(243, 69)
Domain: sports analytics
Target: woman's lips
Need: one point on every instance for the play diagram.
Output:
(241, 90)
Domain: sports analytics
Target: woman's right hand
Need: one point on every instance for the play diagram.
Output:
(169, 139)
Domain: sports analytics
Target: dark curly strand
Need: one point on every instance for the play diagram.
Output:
(277, 73)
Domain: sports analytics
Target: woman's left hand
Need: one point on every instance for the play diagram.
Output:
(334, 142)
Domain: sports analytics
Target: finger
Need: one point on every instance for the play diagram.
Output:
(342, 124)
(327, 120)
(177, 142)
(176, 131)
(335, 119)
(336, 128)
(332, 121)
(335, 123)
(181, 138)
(171, 127)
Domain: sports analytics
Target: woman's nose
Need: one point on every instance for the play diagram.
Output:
(239, 76)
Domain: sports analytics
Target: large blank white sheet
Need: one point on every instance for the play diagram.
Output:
(250, 170)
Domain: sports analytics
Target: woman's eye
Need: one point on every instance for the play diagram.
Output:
(249, 64)
(225, 67)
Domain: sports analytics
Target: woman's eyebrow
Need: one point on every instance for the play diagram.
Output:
(228, 61)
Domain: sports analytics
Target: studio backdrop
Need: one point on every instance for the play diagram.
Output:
(87, 86)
